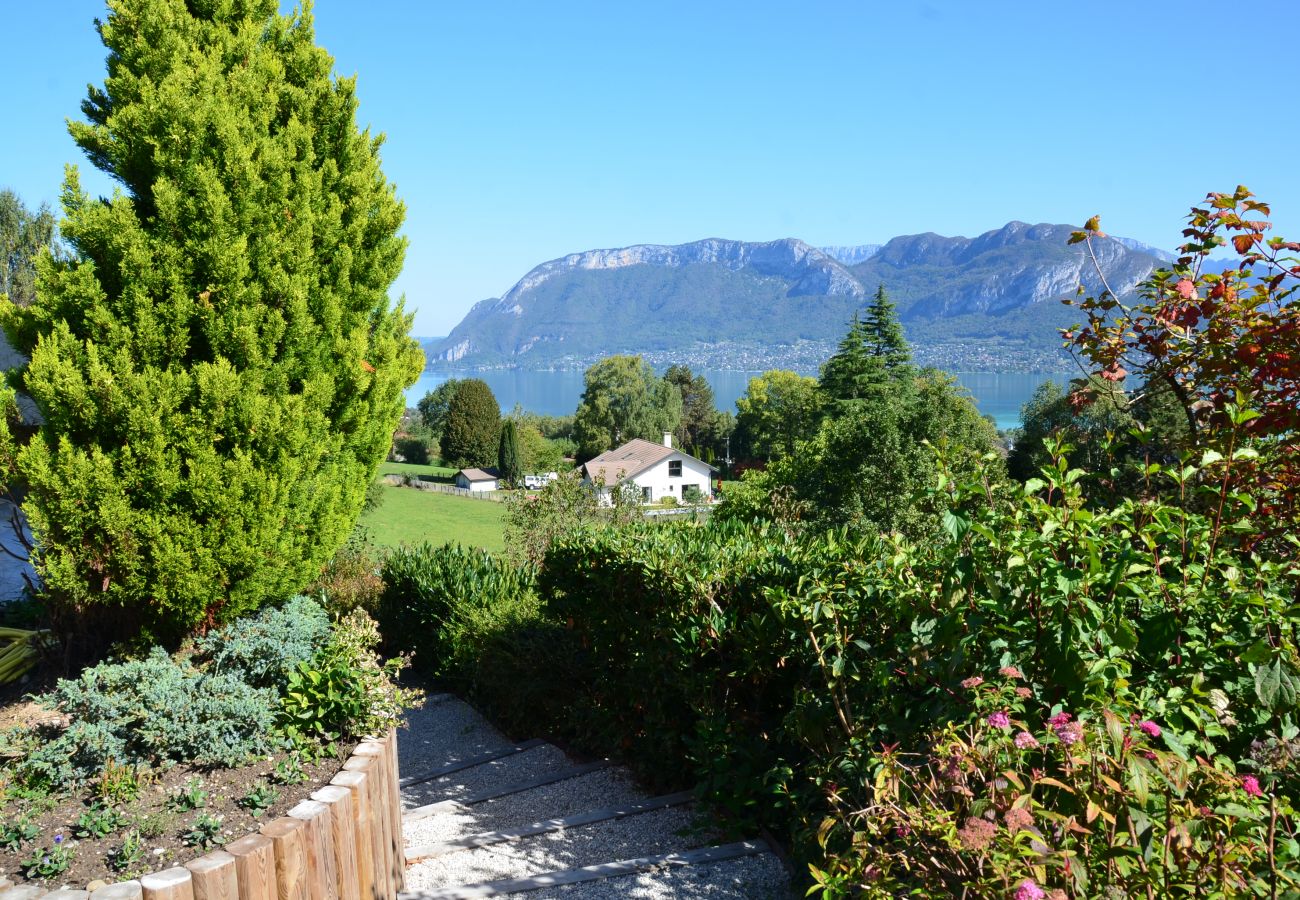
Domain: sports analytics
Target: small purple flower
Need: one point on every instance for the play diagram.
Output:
(1149, 728)
(1000, 719)
(973, 682)
(1250, 784)
(1025, 741)
(1029, 890)
(58, 839)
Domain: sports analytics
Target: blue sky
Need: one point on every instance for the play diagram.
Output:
(518, 132)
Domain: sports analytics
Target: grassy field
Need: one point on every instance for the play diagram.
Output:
(410, 516)
(395, 468)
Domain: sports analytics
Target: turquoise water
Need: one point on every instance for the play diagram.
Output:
(997, 394)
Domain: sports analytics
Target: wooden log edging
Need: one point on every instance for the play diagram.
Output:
(343, 843)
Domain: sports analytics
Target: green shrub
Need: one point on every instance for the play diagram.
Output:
(769, 666)
(436, 598)
(351, 579)
(262, 649)
(345, 690)
(151, 712)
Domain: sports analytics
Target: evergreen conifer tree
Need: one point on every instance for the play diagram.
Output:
(883, 333)
(218, 363)
(872, 353)
(509, 463)
(471, 432)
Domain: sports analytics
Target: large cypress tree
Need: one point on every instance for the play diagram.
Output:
(471, 433)
(219, 365)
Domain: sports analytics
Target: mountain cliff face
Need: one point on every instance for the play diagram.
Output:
(737, 304)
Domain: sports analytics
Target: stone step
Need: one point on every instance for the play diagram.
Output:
(488, 838)
(549, 775)
(761, 876)
(572, 882)
(491, 755)
(495, 773)
(444, 731)
(593, 790)
(652, 833)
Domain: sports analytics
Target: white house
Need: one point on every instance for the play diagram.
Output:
(477, 479)
(655, 471)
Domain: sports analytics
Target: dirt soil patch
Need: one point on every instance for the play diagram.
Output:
(175, 815)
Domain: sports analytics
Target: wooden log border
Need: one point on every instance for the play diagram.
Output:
(344, 843)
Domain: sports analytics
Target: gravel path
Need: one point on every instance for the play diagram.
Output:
(513, 769)
(609, 787)
(759, 877)
(439, 732)
(445, 731)
(660, 831)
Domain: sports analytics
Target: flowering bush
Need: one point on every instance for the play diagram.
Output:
(1020, 800)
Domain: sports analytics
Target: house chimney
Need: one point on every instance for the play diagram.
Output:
(668, 439)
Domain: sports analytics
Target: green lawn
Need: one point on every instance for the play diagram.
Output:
(411, 516)
(396, 468)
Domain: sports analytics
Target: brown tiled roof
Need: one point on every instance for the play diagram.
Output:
(479, 474)
(628, 461)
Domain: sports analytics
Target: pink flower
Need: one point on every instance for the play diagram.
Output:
(1068, 732)
(1250, 784)
(973, 682)
(1010, 672)
(1025, 741)
(999, 719)
(1149, 728)
(1059, 719)
(977, 834)
(1029, 890)
(1018, 819)
(1024, 693)
(1185, 289)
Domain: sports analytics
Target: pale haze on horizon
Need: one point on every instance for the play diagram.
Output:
(517, 133)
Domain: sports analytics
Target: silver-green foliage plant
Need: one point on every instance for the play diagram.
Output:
(218, 363)
(152, 712)
(263, 649)
(216, 709)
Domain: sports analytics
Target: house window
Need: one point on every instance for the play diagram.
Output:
(645, 495)
(674, 468)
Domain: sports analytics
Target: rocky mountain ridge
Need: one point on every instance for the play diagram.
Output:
(985, 302)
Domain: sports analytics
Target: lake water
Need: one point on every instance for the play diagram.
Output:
(998, 394)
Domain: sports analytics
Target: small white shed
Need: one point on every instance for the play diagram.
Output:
(476, 480)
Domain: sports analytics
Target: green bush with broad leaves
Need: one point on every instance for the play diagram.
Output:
(436, 599)
(777, 665)
(345, 690)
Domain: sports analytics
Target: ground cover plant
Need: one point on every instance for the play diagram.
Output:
(138, 763)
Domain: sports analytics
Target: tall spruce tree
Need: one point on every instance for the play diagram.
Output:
(883, 333)
(873, 353)
(218, 362)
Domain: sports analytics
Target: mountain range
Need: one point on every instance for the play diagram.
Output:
(986, 303)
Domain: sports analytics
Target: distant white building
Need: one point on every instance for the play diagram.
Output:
(476, 480)
(654, 471)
